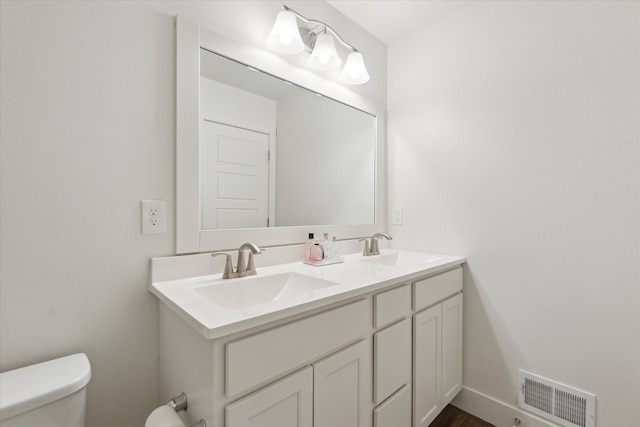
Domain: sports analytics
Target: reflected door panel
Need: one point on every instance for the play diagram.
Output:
(235, 177)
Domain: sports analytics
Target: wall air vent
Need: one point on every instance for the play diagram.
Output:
(557, 402)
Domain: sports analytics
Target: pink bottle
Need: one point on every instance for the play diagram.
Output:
(316, 253)
(307, 248)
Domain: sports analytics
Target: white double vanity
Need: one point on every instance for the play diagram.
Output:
(374, 341)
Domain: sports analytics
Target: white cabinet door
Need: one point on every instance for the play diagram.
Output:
(451, 348)
(392, 359)
(427, 344)
(341, 385)
(286, 403)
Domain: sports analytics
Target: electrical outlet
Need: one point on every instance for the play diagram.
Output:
(153, 216)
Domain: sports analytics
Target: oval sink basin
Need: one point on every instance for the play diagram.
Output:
(400, 259)
(237, 294)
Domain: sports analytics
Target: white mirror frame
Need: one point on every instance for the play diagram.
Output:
(189, 236)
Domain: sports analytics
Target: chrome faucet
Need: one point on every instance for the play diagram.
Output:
(365, 251)
(243, 269)
(248, 269)
(373, 249)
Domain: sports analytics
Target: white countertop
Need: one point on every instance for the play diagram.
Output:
(356, 276)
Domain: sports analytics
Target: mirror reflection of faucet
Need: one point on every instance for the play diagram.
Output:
(243, 268)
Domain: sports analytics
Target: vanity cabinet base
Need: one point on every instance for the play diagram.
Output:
(370, 361)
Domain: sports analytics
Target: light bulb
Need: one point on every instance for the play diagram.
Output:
(286, 39)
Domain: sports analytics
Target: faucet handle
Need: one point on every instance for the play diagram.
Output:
(366, 251)
(251, 266)
(228, 265)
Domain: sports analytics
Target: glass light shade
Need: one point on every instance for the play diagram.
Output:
(354, 71)
(324, 56)
(285, 35)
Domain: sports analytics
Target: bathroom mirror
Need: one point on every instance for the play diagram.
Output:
(274, 154)
(323, 167)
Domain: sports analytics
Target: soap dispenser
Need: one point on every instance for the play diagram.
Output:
(316, 253)
(307, 248)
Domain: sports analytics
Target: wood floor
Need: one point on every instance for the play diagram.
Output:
(454, 417)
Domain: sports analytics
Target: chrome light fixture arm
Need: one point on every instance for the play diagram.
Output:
(310, 37)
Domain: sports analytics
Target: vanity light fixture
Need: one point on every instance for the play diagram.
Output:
(292, 33)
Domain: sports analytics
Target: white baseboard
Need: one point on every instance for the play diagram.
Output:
(496, 412)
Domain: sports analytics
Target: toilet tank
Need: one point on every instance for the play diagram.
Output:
(51, 394)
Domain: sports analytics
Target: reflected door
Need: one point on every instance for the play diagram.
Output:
(235, 177)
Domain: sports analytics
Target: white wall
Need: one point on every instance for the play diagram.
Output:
(325, 163)
(88, 130)
(237, 104)
(514, 132)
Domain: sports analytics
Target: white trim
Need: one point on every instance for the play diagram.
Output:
(226, 119)
(187, 129)
(494, 411)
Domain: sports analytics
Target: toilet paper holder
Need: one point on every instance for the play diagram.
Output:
(180, 403)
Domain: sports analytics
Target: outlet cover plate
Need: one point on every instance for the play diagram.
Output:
(153, 216)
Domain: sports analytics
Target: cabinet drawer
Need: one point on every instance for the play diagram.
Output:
(392, 359)
(391, 305)
(434, 289)
(256, 359)
(395, 412)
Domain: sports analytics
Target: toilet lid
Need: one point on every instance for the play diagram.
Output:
(28, 388)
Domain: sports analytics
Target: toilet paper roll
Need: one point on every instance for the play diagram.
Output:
(164, 416)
